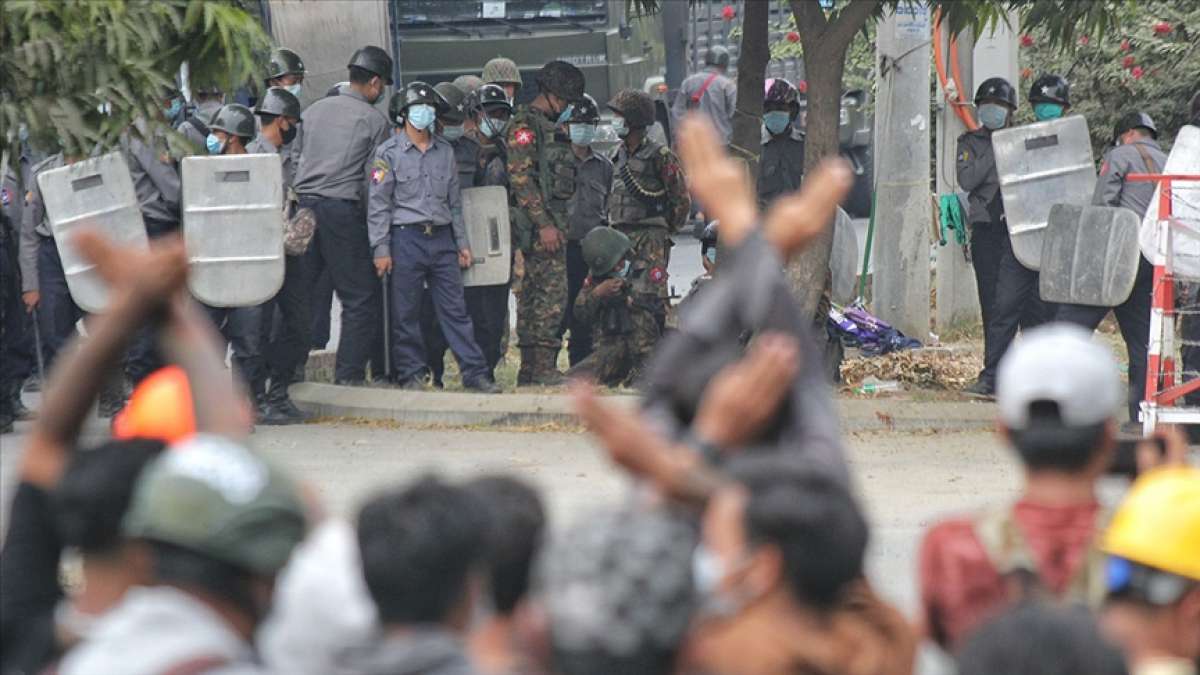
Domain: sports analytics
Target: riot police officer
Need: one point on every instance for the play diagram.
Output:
(711, 92)
(1135, 150)
(416, 229)
(606, 303)
(781, 165)
(15, 364)
(541, 174)
(1050, 97)
(504, 72)
(587, 210)
(341, 133)
(649, 202)
(286, 70)
(209, 99)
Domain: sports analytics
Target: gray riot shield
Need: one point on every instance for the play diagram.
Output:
(843, 259)
(485, 210)
(97, 194)
(1185, 209)
(1089, 255)
(1040, 165)
(233, 228)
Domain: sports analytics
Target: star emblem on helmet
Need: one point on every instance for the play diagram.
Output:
(523, 137)
(1046, 90)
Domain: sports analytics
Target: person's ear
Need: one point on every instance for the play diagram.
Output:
(764, 571)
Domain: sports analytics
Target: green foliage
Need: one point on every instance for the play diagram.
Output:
(860, 55)
(79, 72)
(1131, 67)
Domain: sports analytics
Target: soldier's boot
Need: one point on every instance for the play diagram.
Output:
(16, 405)
(525, 373)
(112, 396)
(545, 372)
(280, 406)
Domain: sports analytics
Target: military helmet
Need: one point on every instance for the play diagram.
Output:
(489, 95)
(1135, 120)
(208, 90)
(635, 106)
(234, 118)
(603, 248)
(717, 56)
(584, 111)
(284, 62)
(998, 89)
(278, 101)
(455, 98)
(373, 60)
(501, 70)
(414, 93)
(337, 89)
(468, 83)
(1050, 89)
(215, 498)
(562, 79)
(779, 90)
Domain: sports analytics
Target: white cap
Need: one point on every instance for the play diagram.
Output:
(1061, 363)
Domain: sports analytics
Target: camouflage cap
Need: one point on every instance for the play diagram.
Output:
(603, 248)
(216, 498)
(502, 70)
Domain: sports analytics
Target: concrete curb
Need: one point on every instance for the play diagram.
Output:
(532, 409)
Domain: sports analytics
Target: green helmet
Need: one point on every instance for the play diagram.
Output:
(455, 111)
(502, 71)
(214, 497)
(284, 62)
(234, 118)
(603, 248)
(469, 83)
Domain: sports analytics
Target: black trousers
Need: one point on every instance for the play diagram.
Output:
(580, 344)
(320, 304)
(1008, 294)
(1133, 317)
(18, 356)
(287, 321)
(242, 329)
(488, 308)
(57, 312)
(341, 247)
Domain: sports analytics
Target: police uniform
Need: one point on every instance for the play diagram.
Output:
(1008, 291)
(780, 165)
(1133, 316)
(414, 215)
(341, 133)
(16, 360)
(587, 210)
(717, 99)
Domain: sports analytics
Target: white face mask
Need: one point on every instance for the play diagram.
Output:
(708, 572)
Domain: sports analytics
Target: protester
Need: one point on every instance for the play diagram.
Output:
(1040, 639)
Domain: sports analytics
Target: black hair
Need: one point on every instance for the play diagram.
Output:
(1047, 443)
(812, 519)
(1040, 639)
(183, 567)
(516, 524)
(360, 75)
(418, 546)
(94, 492)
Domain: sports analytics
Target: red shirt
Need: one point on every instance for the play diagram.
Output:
(960, 587)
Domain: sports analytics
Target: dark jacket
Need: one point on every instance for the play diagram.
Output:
(424, 651)
(977, 175)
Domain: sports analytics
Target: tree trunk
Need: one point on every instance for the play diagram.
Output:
(751, 71)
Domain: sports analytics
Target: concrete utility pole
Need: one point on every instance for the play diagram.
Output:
(902, 210)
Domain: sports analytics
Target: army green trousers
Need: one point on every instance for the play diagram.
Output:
(543, 299)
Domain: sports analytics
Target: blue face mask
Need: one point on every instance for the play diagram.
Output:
(214, 144)
(421, 116)
(993, 115)
(172, 111)
(582, 134)
(1047, 111)
(452, 133)
(618, 125)
(295, 89)
(623, 273)
(777, 121)
(492, 127)
(565, 115)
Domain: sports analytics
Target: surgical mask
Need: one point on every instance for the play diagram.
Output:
(582, 134)
(623, 273)
(993, 115)
(492, 127)
(295, 89)
(1047, 111)
(711, 254)
(421, 115)
(172, 111)
(707, 574)
(564, 115)
(290, 134)
(23, 133)
(214, 144)
(618, 125)
(777, 121)
(452, 133)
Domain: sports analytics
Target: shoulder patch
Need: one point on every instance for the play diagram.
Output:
(523, 136)
(658, 275)
(964, 156)
(379, 170)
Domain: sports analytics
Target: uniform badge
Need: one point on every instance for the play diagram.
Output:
(378, 171)
(658, 275)
(5, 196)
(964, 156)
(523, 137)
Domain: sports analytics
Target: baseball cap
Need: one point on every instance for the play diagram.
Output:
(1061, 363)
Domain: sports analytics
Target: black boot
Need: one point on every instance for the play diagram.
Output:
(280, 408)
(18, 410)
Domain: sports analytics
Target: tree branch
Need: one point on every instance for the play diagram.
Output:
(810, 20)
(851, 19)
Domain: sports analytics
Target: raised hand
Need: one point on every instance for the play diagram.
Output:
(744, 396)
(796, 219)
(719, 182)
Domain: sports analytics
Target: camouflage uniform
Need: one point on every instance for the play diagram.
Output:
(541, 175)
(618, 322)
(649, 220)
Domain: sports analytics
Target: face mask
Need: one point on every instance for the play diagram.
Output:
(295, 89)
(492, 127)
(623, 273)
(777, 121)
(711, 255)
(707, 574)
(172, 111)
(582, 134)
(421, 116)
(565, 115)
(993, 116)
(290, 134)
(618, 125)
(1047, 111)
(214, 144)
(452, 133)
(23, 133)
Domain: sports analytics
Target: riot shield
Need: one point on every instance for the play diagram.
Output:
(1089, 255)
(485, 210)
(96, 193)
(233, 228)
(1185, 209)
(843, 259)
(1040, 165)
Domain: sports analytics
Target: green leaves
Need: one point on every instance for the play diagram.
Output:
(77, 73)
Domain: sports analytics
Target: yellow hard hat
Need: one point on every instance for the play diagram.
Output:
(1158, 523)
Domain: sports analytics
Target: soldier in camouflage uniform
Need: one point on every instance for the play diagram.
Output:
(541, 171)
(649, 202)
(607, 303)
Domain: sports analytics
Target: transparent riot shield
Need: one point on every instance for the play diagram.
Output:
(1089, 255)
(233, 228)
(1185, 208)
(1040, 165)
(843, 259)
(97, 194)
(485, 210)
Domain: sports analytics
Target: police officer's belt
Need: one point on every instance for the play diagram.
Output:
(427, 228)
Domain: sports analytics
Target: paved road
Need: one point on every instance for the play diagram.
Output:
(907, 480)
